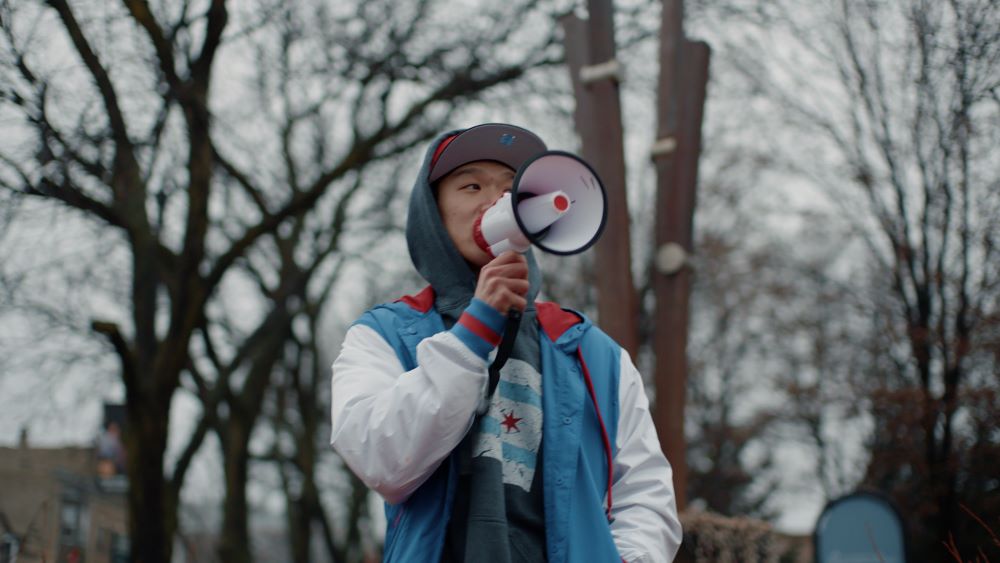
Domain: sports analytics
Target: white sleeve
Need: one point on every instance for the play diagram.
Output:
(391, 427)
(645, 526)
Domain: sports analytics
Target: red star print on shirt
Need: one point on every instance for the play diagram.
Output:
(510, 421)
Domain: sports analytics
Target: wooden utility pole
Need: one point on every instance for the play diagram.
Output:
(590, 54)
(682, 85)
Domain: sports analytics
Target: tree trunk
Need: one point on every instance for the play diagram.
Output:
(234, 544)
(264, 348)
(299, 529)
(153, 517)
(598, 122)
(303, 510)
(680, 106)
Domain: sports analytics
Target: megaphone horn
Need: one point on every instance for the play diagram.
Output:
(557, 203)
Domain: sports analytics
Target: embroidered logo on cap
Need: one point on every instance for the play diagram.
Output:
(507, 139)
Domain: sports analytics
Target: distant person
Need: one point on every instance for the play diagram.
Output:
(561, 463)
(110, 451)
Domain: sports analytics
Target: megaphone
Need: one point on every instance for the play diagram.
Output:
(557, 203)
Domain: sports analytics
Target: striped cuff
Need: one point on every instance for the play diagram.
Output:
(480, 327)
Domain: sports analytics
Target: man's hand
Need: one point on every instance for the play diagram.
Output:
(503, 282)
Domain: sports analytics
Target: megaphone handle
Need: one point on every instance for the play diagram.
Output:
(506, 345)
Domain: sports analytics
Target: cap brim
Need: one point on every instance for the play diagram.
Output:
(507, 144)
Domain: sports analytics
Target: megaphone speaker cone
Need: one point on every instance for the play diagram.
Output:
(568, 185)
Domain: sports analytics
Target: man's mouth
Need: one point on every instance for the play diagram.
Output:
(477, 235)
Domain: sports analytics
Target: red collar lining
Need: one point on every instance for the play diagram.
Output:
(554, 319)
(421, 302)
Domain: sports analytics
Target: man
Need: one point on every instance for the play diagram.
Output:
(561, 462)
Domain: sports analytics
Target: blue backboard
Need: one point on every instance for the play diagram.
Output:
(860, 528)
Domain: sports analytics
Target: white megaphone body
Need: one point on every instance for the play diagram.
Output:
(556, 203)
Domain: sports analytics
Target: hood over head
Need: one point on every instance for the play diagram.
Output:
(431, 249)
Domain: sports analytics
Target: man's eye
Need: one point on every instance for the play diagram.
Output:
(474, 187)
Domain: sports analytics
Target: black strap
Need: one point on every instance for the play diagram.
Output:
(506, 345)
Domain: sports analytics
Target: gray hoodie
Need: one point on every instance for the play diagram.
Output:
(499, 513)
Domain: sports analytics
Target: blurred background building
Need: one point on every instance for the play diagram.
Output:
(65, 504)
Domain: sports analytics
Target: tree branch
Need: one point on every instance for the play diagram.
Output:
(217, 18)
(111, 332)
(242, 179)
(98, 72)
(141, 13)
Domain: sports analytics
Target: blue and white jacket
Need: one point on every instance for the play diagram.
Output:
(405, 391)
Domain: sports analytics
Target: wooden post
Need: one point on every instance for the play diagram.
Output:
(682, 85)
(590, 55)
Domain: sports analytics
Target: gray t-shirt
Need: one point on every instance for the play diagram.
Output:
(499, 511)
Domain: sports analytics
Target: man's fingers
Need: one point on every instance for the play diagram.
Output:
(514, 270)
(517, 286)
(520, 287)
(503, 282)
(514, 301)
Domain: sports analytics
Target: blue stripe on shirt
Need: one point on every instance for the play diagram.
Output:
(520, 394)
(519, 455)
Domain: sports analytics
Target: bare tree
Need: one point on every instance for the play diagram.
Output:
(135, 138)
(892, 109)
(726, 414)
(298, 411)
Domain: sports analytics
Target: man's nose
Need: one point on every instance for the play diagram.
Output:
(498, 193)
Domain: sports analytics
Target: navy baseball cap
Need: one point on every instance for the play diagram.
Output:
(507, 144)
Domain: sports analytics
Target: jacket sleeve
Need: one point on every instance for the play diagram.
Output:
(394, 427)
(645, 526)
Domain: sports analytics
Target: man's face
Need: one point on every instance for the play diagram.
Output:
(463, 195)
